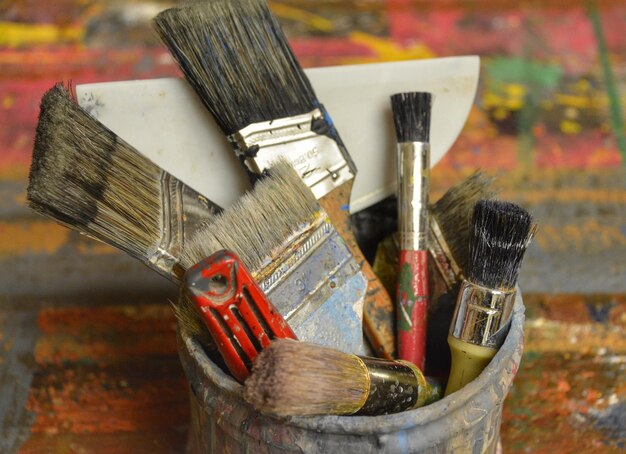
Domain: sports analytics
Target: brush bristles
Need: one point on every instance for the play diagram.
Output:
(411, 116)
(190, 321)
(501, 232)
(298, 378)
(261, 223)
(236, 57)
(453, 213)
(87, 178)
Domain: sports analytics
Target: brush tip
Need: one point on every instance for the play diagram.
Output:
(411, 116)
(501, 232)
(298, 378)
(237, 58)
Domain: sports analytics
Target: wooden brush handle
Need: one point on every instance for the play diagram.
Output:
(378, 308)
(412, 308)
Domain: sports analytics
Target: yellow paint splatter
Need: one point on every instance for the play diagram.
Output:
(299, 15)
(384, 49)
(15, 34)
(40, 237)
(388, 50)
(508, 96)
(8, 101)
(570, 127)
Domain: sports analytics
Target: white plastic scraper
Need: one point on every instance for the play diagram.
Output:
(165, 120)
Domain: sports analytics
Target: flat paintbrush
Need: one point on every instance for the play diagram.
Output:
(294, 254)
(411, 116)
(236, 57)
(90, 180)
(499, 236)
(291, 378)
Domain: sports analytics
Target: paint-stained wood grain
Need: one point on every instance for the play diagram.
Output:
(87, 349)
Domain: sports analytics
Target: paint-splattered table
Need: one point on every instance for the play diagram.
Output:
(87, 348)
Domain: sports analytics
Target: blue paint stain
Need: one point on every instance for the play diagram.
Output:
(599, 312)
(345, 207)
(612, 422)
(326, 116)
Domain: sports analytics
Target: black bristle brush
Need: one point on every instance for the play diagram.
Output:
(499, 236)
(237, 58)
(411, 116)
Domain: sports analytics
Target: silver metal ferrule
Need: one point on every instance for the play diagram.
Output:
(482, 315)
(184, 212)
(448, 268)
(303, 275)
(413, 169)
(321, 160)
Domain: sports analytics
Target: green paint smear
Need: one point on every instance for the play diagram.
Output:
(405, 281)
(503, 70)
(617, 121)
(539, 79)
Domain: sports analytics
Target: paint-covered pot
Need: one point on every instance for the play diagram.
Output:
(465, 421)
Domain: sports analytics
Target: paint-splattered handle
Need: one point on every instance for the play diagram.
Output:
(412, 306)
(378, 309)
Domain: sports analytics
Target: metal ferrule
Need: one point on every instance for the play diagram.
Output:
(303, 274)
(308, 141)
(449, 270)
(184, 212)
(482, 315)
(395, 386)
(413, 168)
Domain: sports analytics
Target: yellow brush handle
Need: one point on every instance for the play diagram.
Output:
(468, 361)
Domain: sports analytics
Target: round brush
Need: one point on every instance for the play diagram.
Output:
(411, 115)
(291, 378)
(500, 234)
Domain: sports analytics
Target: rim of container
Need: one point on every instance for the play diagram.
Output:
(384, 423)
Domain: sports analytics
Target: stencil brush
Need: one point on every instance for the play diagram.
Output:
(236, 57)
(294, 254)
(90, 180)
(411, 116)
(291, 378)
(499, 237)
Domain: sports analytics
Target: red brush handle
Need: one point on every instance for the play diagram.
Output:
(412, 298)
(240, 318)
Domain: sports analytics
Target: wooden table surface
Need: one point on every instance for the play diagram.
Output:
(88, 358)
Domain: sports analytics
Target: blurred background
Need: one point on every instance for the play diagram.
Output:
(88, 357)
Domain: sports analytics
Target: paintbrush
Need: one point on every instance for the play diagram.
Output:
(448, 234)
(236, 57)
(294, 254)
(90, 180)
(291, 378)
(499, 236)
(449, 222)
(411, 117)
(237, 314)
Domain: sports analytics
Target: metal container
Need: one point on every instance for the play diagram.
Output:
(466, 421)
